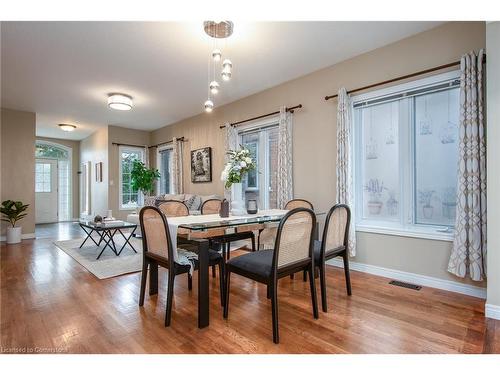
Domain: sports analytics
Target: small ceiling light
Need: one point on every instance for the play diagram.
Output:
(214, 87)
(67, 127)
(209, 106)
(216, 55)
(226, 74)
(120, 102)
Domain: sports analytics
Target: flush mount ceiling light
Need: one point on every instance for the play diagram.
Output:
(67, 127)
(120, 102)
(217, 30)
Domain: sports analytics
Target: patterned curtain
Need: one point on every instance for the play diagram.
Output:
(177, 166)
(285, 160)
(345, 192)
(230, 143)
(468, 256)
(146, 156)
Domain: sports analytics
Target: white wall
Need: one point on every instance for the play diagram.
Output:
(493, 136)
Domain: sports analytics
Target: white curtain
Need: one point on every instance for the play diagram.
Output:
(468, 256)
(285, 159)
(177, 166)
(230, 143)
(345, 192)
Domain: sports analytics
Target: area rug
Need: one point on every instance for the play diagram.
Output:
(108, 265)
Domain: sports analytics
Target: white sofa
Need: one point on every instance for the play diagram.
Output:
(192, 201)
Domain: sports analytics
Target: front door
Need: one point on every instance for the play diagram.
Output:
(46, 203)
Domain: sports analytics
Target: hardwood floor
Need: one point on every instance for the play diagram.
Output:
(49, 303)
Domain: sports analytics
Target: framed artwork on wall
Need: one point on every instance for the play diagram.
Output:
(201, 165)
(98, 172)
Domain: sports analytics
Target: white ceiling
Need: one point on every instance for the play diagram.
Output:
(64, 71)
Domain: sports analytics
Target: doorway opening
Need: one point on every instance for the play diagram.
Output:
(53, 187)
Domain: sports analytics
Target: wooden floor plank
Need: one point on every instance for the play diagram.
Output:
(50, 302)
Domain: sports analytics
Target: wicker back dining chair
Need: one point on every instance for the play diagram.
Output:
(293, 252)
(295, 203)
(333, 244)
(158, 251)
(172, 208)
(211, 206)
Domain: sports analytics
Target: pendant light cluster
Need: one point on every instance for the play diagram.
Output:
(217, 30)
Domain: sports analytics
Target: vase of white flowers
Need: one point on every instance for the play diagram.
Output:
(239, 164)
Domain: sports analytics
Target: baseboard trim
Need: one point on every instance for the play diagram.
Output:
(432, 282)
(26, 236)
(492, 311)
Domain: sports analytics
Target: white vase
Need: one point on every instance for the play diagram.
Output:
(237, 203)
(13, 234)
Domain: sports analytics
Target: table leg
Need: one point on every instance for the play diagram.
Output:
(127, 241)
(203, 282)
(89, 235)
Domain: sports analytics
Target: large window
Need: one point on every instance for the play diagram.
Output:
(129, 197)
(261, 184)
(406, 157)
(164, 162)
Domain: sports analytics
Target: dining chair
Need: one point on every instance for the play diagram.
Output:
(223, 243)
(158, 251)
(293, 252)
(333, 244)
(172, 208)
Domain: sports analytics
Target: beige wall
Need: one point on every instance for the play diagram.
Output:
(315, 133)
(18, 162)
(118, 134)
(75, 167)
(94, 149)
(493, 131)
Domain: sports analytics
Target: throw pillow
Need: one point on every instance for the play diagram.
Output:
(193, 202)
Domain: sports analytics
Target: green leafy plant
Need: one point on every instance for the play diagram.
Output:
(13, 211)
(143, 178)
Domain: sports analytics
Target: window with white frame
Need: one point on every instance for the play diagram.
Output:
(129, 197)
(262, 141)
(164, 162)
(406, 157)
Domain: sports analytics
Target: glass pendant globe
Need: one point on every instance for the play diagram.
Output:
(227, 64)
(226, 74)
(216, 55)
(209, 106)
(214, 87)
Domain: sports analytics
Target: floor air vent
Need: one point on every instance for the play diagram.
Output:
(405, 285)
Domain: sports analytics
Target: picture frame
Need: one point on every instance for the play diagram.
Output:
(201, 165)
(98, 172)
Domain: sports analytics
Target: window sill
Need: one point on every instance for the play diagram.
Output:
(129, 208)
(429, 234)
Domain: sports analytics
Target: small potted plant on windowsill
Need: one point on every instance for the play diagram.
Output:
(449, 203)
(12, 212)
(425, 198)
(375, 189)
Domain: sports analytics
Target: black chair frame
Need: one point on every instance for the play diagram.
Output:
(278, 273)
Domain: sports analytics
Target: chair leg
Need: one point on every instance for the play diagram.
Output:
(253, 242)
(274, 303)
(347, 274)
(322, 278)
(304, 277)
(221, 282)
(190, 282)
(213, 272)
(153, 278)
(312, 283)
(226, 303)
(170, 297)
(228, 251)
(144, 278)
(292, 276)
(268, 292)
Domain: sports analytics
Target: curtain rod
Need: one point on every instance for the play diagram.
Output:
(440, 67)
(291, 109)
(127, 144)
(167, 142)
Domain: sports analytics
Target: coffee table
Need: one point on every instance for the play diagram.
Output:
(106, 232)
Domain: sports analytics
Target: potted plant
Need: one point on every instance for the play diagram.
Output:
(375, 189)
(143, 178)
(449, 203)
(239, 164)
(392, 203)
(425, 198)
(12, 212)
